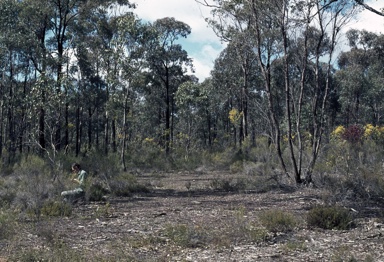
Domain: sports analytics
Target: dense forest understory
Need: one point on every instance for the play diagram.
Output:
(287, 106)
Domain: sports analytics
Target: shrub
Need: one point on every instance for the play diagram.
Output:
(7, 193)
(329, 217)
(353, 134)
(7, 225)
(96, 192)
(228, 185)
(277, 221)
(56, 209)
(126, 184)
(338, 132)
(236, 167)
(32, 185)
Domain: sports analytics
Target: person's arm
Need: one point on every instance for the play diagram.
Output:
(81, 177)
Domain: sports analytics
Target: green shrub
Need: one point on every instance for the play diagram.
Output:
(329, 217)
(7, 193)
(257, 235)
(277, 221)
(236, 167)
(96, 192)
(56, 209)
(57, 253)
(7, 225)
(228, 185)
(33, 185)
(126, 185)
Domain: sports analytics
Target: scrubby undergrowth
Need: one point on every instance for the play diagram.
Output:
(216, 206)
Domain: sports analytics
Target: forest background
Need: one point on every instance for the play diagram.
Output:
(90, 81)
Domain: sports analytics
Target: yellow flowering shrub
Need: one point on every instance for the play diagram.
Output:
(338, 132)
(235, 116)
(369, 130)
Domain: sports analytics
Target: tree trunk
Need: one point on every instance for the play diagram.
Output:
(167, 114)
(106, 133)
(113, 135)
(78, 134)
(89, 133)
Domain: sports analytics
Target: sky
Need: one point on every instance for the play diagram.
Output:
(203, 46)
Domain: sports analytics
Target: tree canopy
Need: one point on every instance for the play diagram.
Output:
(78, 77)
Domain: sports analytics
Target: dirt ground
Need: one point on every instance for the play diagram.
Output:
(183, 219)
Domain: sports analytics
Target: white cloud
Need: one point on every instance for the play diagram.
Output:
(370, 21)
(202, 45)
(365, 20)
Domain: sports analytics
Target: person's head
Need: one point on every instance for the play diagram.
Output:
(75, 167)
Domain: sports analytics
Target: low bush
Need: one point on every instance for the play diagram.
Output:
(278, 221)
(56, 209)
(228, 185)
(329, 217)
(7, 225)
(126, 185)
(96, 191)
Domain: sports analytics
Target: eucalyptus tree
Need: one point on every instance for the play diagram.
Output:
(318, 43)
(360, 78)
(237, 34)
(234, 75)
(200, 111)
(8, 18)
(15, 78)
(129, 44)
(96, 59)
(274, 26)
(226, 80)
(54, 24)
(168, 63)
(191, 100)
(105, 45)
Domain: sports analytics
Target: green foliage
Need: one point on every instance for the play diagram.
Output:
(256, 234)
(7, 224)
(295, 246)
(351, 171)
(58, 253)
(278, 221)
(329, 217)
(7, 192)
(96, 192)
(33, 185)
(98, 164)
(237, 167)
(126, 184)
(56, 209)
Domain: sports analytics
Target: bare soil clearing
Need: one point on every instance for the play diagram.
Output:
(138, 228)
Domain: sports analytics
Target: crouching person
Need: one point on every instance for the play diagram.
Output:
(79, 177)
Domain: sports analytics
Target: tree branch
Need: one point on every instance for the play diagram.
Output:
(205, 3)
(361, 2)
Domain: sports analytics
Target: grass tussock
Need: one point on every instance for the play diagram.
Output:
(278, 221)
